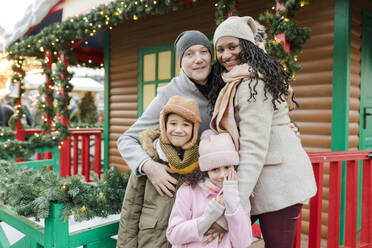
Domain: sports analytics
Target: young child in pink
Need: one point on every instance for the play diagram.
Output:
(200, 203)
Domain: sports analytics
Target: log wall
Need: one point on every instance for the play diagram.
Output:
(313, 84)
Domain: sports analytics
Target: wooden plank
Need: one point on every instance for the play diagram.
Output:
(4, 242)
(94, 234)
(22, 224)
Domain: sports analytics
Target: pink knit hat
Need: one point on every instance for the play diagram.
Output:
(216, 150)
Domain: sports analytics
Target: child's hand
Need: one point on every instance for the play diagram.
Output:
(230, 192)
(219, 199)
(231, 175)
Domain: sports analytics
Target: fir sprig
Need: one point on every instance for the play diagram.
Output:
(283, 22)
(6, 133)
(30, 192)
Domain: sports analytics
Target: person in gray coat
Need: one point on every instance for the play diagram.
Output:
(194, 55)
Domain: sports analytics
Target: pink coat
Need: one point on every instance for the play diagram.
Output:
(189, 206)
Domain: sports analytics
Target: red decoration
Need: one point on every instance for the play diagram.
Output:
(281, 37)
(230, 13)
(65, 150)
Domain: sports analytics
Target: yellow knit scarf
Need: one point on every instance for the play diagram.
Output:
(189, 161)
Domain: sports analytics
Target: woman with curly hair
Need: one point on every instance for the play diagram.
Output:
(249, 93)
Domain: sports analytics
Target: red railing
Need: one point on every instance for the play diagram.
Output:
(335, 160)
(85, 135)
(80, 141)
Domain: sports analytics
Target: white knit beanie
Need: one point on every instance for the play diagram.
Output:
(240, 27)
(216, 150)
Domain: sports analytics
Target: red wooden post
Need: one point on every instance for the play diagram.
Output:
(334, 201)
(47, 117)
(65, 150)
(82, 153)
(49, 61)
(351, 203)
(316, 208)
(76, 154)
(366, 225)
(97, 154)
(297, 243)
(19, 133)
(85, 157)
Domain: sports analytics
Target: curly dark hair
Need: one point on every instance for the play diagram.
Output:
(276, 79)
(193, 178)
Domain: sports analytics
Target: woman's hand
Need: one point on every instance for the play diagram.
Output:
(215, 231)
(159, 177)
(295, 129)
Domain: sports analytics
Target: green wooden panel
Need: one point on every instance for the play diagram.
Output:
(365, 125)
(22, 243)
(106, 111)
(22, 224)
(37, 164)
(4, 242)
(25, 242)
(56, 230)
(107, 243)
(56, 233)
(365, 121)
(341, 90)
(95, 234)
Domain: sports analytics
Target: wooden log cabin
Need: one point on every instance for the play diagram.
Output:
(334, 87)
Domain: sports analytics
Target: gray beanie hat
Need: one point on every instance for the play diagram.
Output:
(187, 39)
(236, 26)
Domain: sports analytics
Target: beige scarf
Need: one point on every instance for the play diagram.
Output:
(223, 119)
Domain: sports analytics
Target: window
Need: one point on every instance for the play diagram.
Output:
(157, 66)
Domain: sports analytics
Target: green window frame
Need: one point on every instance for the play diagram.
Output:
(174, 70)
(142, 83)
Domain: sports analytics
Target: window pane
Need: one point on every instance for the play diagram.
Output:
(149, 67)
(148, 94)
(162, 84)
(176, 67)
(164, 71)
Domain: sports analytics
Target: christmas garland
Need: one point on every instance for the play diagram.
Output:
(13, 149)
(46, 98)
(225, 8)
(17, 79)
(281, 22)
(63, 77)
(30, 192)
(61, 37)
(6, 133)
